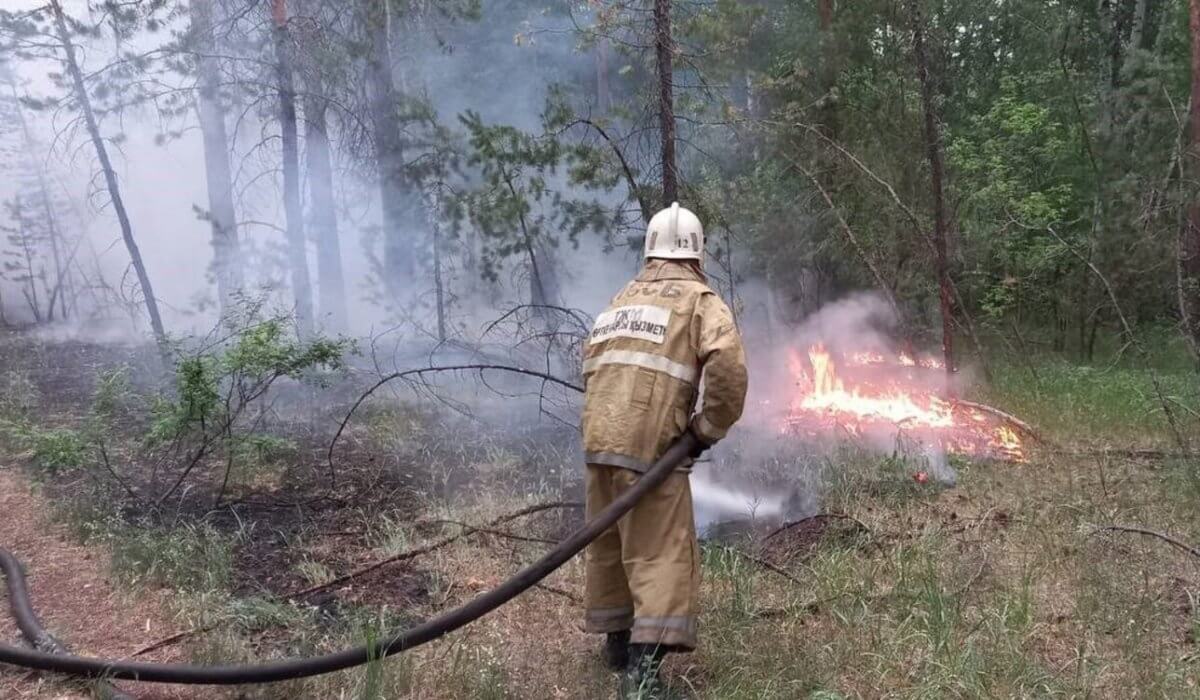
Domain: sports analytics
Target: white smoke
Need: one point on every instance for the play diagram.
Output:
(762, 472)
(464, 65)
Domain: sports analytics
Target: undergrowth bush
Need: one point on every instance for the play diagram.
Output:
(56, 450)
(218, 388)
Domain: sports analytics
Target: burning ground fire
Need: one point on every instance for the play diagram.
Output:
(878, 395)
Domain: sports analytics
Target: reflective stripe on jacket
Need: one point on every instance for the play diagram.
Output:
(643, 363)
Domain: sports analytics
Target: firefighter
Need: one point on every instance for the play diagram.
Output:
(643, 365)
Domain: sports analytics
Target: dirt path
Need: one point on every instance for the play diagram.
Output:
(76, 600)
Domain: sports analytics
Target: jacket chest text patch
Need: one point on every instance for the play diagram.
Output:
(643, 322)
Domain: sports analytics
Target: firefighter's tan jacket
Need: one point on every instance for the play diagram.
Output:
(643, 363)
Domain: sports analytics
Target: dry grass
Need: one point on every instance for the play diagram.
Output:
(996, 588)
(992, 589)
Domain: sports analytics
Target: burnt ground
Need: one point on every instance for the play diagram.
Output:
(295, 500)
(999, 586)
(288, 521)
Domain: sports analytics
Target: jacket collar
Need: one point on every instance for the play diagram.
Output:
(657, 269)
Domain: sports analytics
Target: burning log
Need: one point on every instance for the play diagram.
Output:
(1007, 418)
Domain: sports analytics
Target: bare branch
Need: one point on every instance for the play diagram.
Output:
(1174, 542)
(481, 368)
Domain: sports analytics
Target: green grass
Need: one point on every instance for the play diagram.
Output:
(18, 395)
(1104, 404)
(188, 558)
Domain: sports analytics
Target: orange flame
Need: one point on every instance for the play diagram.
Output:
(830, 395)
(856, 402)
(867, 358)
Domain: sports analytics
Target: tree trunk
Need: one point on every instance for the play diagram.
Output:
(394, 187)
(825, 157)
(933, 150)
(664, 49)
(1189, 239)
(433, 212)
(828, 73)
(825, 12)
(297, 255)
(1137, 35)
(62, 272)
(227, 265)
(1097, 318)
(331, 282)
(439, 284)
(110, 175)
(603, 88)
(25, 239)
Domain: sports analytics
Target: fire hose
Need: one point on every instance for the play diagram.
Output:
(54, 661)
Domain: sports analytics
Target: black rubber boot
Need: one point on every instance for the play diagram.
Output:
(616, 650)
(640, 679)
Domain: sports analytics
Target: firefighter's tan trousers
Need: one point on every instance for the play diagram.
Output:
(644, 574)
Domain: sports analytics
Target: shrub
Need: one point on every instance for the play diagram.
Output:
(57, 450)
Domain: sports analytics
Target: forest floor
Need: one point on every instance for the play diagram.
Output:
(71, 585)
(999, 587)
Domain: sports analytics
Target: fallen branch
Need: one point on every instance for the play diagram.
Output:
(765, 564)
(1007, 418)
(469, 530)
(425, 549)
(560, 592)
(1178, 544)
(544, 376)
(168, 641)
(1131, 453)
(473, 530)
(818, 516)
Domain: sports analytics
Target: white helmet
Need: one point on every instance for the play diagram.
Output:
(675, 233)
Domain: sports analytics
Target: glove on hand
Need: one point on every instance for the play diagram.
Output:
(700, 447)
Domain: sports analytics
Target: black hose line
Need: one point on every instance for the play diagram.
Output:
(288, 669)
(29, 624)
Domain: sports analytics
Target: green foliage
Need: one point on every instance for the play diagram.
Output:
(214, 385)
(1018, 159)
(517, 207)
(266, 349)
(1019, 169)
(113, 397)
(57, 450)
(256, 450)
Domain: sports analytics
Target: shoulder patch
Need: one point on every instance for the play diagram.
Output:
(643, 322)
